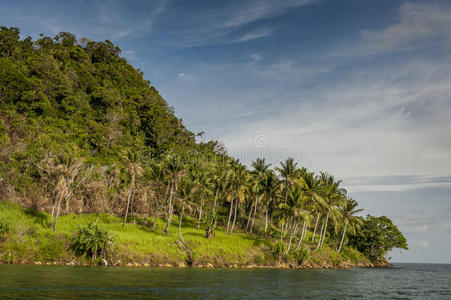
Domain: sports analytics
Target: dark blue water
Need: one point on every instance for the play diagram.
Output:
(403, 281)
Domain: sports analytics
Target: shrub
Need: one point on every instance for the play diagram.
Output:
(92, 242)
(4, 229)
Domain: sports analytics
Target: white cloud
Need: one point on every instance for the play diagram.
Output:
(181, 75)
(254, 35)
(416, 22)
(252, 11)
(421, 243)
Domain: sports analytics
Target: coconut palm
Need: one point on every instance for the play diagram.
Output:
(348, 211)
(157, 175)
(269, 186)
(174, 170)
(132, 164)
(260, 167)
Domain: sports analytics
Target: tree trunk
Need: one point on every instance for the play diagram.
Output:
(302, 236)
(132, 183)
(230, 216)
(325, 229)
(51, 216)
(342, 237)
(57, 212)
(180, 224)
(266, 220)
(255, 211)
(200, 213)
(316, 224)
(249, 217)
(166, 231)
(234, 216)
(320, 235)
(292, 233)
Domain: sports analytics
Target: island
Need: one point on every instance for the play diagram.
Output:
(96, 169)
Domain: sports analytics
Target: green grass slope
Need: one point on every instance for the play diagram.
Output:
(30, 241)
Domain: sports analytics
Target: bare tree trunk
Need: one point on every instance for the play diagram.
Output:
(255, 212)
(166, 231)
(342, 237)
(302, 236)
(57, 213)
(249, 217)
(316, 224)
(281, 231)
(234, 216)
(230, 216)
(266, 220)
(51, 216)
(200, 213)
(292, 233)
(320, 234)
(128, 198)
(325, 229)
(180, 224)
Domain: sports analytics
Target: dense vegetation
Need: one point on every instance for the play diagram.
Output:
(81, 131)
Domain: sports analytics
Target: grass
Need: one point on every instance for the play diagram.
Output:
(29, 241)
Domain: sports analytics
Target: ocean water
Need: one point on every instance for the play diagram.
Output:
(403, 281)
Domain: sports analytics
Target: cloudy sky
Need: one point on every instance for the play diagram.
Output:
(361, 89)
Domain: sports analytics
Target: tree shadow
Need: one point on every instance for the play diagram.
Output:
(40, 217)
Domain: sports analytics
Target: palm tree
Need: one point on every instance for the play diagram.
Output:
(185, 191)
(132, 165)
(174, 170)
(269, 186)
(219, 181)
(260, 167)
(62, 170)
(295, 208)
(158, 176)
(236, 186)
(332, 195)
(348, 210)
(287, 171)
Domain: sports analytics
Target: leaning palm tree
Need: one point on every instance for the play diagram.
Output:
(348, 211)
(174, 170)
(260, 167)
(156, 173)
(132, 164)
(61, 171)
(269, 186)
(287, 172)
(185, 191)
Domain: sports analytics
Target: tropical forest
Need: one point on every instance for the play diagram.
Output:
(96, 169)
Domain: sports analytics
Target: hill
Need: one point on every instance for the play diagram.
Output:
(84, 137)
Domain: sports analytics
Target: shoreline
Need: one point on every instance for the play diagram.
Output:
(306, 266)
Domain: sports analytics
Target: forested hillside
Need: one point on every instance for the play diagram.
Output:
(81, 131)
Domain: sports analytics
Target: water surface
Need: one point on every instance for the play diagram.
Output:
(403, 281)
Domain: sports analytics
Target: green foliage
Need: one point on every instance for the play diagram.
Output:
(300, 255)
(92, 241)
(4, 229)
(377, 236)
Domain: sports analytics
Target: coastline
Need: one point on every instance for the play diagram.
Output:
(307, 266)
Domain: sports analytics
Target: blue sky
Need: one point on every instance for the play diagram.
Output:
(358, 88)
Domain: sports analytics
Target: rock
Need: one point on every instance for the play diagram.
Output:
(37, 263)
(105, 263)
(209, 265)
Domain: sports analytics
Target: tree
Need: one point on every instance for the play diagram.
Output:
(132, 165)
(174, 170)
(377, 236)
(157, 175)
(348, 211)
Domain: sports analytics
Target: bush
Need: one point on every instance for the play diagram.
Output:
(92, 242)
(301, 255)
(4, 229)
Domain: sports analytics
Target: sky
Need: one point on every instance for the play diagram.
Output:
(358, 88)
